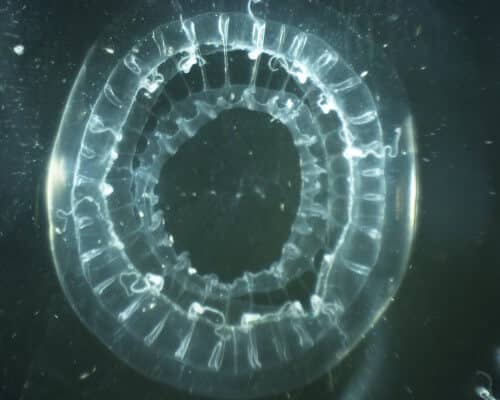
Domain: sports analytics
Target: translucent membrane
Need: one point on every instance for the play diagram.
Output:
(115, 255)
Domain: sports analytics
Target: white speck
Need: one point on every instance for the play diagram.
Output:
(248, 318)
(106, 189)
(299, 71)
(353, 152)
(364, 74)
(141, 214)
(282, 207)
(152, 82)
(86, 374)
(488, 142)
(19, 49)
(109, 50)
(289, 104)
(326, 103)
(426, 160)
(198, 308)
(186, 63)
(254, 54)
(423, 67)
(386, 45)
(156, 281)
(192, 271)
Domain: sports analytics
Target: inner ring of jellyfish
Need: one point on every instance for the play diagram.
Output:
(126, 256)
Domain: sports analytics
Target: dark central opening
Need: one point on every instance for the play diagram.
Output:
(231, 193)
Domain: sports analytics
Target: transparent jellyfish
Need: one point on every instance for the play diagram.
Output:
(144, 93)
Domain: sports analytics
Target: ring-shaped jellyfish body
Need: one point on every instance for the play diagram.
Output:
(113, 251)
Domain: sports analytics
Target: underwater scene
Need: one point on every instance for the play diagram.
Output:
(239, 199)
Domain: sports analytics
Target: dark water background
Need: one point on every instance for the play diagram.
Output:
(444, 325)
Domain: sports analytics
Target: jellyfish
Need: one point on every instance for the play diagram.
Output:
(145, 92)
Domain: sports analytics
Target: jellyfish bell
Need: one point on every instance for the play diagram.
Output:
(144, 92)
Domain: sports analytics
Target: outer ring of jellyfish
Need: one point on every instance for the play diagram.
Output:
(325, 322)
